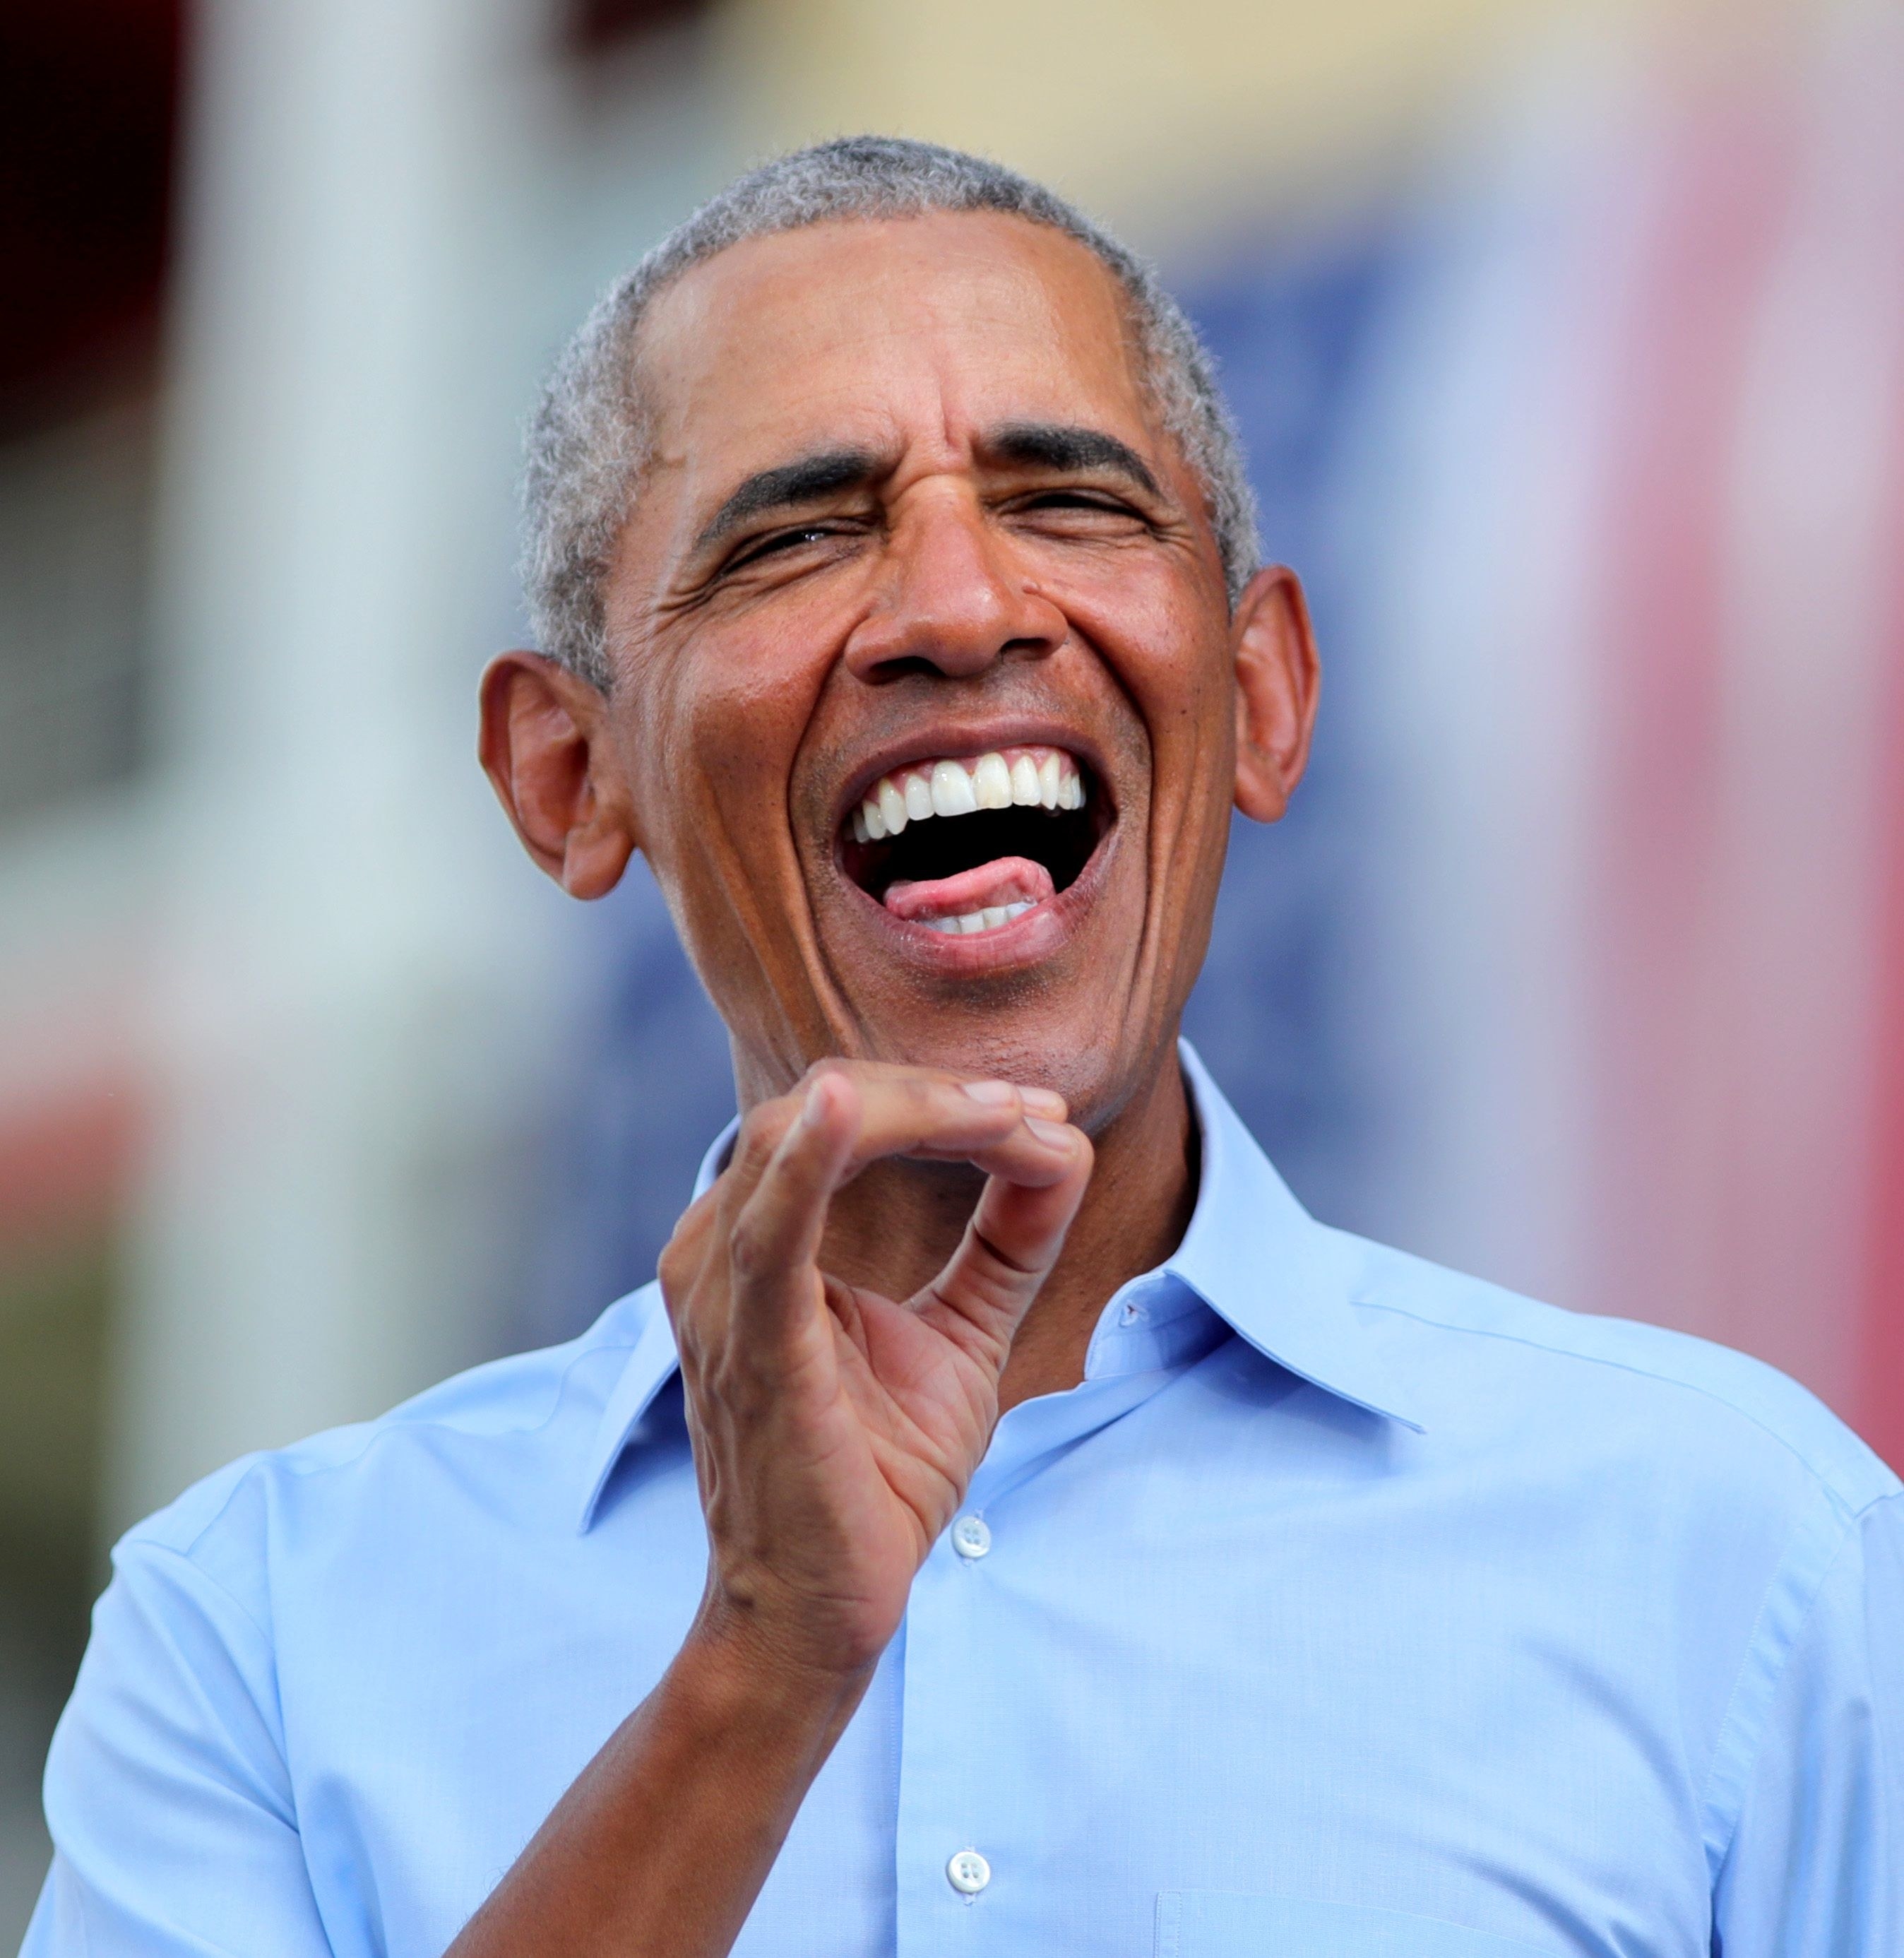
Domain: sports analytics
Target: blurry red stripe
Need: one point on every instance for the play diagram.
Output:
(1881, 1413)
(65, 1163)
(1721, 195)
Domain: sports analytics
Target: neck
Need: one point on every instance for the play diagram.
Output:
(893, 1228)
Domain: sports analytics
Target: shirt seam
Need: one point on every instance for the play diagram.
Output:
(375, 1431)
(270, 1646)
(1752, 1750)
(231, 1597)
(1842, 1502)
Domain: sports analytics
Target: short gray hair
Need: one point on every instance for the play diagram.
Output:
(588, 440)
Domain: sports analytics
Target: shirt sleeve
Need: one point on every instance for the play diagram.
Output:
(1816, 1861)
(167, 1796)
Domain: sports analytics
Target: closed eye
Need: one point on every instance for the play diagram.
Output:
(1077, 500)
(778, 542)
(1090, 511)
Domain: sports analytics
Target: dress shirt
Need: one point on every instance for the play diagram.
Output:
(1347, 1607)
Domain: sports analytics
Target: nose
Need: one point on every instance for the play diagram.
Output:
(952, 599)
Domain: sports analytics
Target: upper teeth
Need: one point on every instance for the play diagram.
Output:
(1033, 777)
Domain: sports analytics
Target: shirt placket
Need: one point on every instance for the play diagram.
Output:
(956, 1860)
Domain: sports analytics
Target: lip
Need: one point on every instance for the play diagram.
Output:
(954, 739)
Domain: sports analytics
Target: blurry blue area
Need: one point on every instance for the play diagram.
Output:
(1292, 325)
(1277, 1014)
(651, 1084)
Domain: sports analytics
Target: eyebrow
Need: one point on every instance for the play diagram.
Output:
(1066, 446)
(823, 473)
(1060, 445)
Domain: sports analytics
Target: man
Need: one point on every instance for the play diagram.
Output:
(899, 602)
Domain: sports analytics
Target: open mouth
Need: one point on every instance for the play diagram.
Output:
(964, 844)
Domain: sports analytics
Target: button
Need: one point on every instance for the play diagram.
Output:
(968, 1870)
(971, 1539)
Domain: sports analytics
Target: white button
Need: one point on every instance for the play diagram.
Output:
(972, 1539)
(969, 1871)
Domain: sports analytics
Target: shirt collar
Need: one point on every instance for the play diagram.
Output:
(1252, 1253)
(652, 1360)
(1285, 1283)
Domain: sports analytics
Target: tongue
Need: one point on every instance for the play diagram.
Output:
(1005, 880)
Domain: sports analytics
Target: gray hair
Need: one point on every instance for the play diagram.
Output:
(587, 440)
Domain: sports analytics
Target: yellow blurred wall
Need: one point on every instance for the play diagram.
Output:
(1130, 105)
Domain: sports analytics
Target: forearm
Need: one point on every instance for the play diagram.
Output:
(662, 1844)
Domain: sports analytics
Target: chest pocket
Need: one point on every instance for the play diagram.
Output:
(1229, 1924)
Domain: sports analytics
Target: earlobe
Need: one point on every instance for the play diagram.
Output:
(1273, 653)
(544, 744)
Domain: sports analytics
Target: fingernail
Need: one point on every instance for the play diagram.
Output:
(1054, 1135)
(1045, 1101)
(994, 1094)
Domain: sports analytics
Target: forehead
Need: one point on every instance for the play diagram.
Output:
(885, 332)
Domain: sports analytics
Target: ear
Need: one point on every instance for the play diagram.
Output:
(545, 745)
(1273, 652)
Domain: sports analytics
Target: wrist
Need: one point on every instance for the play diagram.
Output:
(734, 1668)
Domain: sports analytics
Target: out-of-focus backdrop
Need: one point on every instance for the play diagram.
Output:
(1569, 346)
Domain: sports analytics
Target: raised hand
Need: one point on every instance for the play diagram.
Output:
(834, 1429)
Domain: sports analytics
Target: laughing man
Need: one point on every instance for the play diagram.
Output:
(1010, 1525)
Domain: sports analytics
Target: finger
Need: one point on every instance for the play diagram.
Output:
(1033, 1155)
(941, 1118)
(1009, 1246)
(920, 1113)
(870, 1074)
(775, 1238)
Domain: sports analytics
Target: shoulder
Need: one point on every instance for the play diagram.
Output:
(494, 1446)
(1666, 1403)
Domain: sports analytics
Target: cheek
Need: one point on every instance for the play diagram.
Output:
(1163, 626)
(724, 726)
(1180, 684)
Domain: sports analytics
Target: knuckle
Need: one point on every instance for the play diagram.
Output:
(682, 1256)
(676, 1269)
(750, 1255)
(761, 1132)
(671, 1266)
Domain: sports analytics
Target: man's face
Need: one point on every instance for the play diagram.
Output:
(924, 700)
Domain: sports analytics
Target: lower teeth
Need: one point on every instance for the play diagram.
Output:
(988, 920)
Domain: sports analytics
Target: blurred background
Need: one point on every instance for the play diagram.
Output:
(1569, 345)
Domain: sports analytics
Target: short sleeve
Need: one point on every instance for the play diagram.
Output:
(1815, 1863)
(167, 1796)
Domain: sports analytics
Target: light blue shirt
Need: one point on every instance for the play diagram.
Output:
(1348, 1607)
